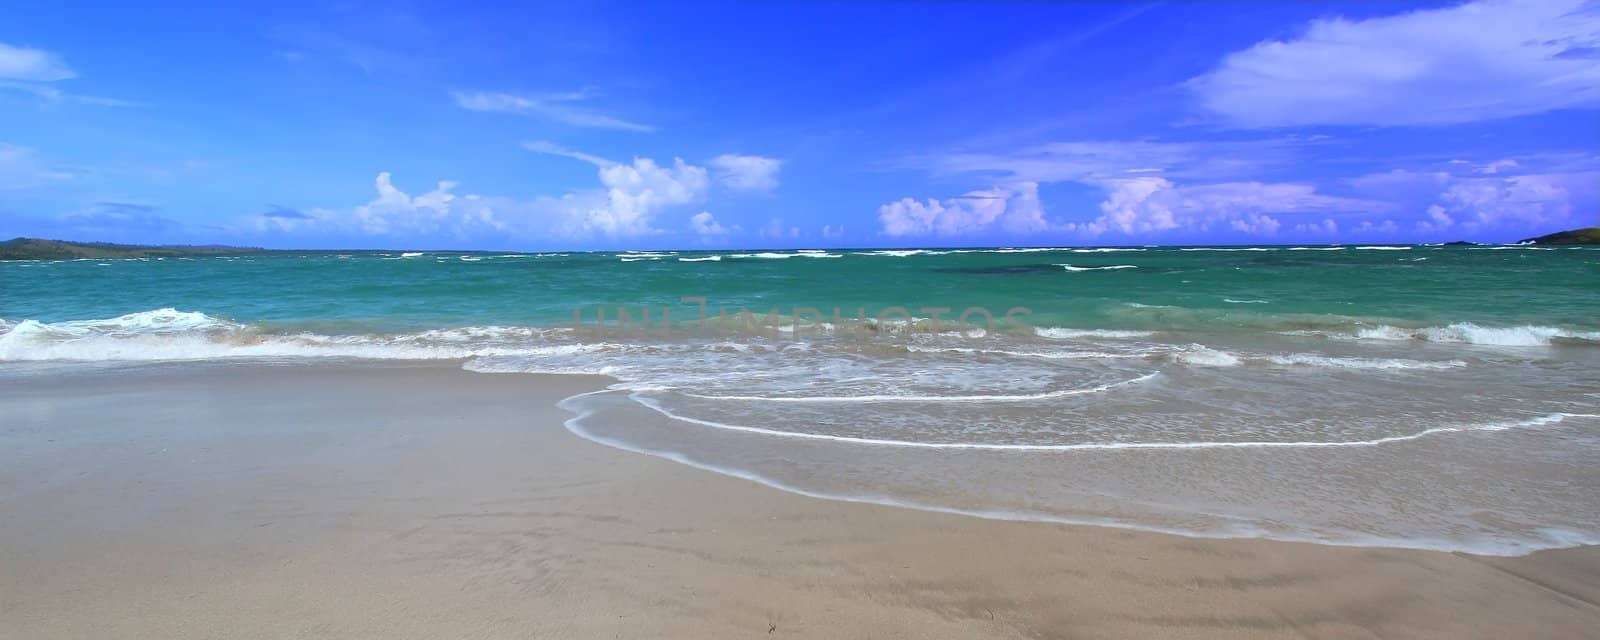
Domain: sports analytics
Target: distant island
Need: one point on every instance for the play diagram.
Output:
(37, 249)
(41, 249)
(1590, 235)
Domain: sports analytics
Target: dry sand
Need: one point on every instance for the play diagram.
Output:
(420, 501)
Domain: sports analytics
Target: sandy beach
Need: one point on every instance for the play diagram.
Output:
(423, 501)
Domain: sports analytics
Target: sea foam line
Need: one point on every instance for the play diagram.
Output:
(1553, 418)
(972, 398)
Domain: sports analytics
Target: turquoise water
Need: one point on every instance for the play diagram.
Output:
(1414, 396)
(1180, 289)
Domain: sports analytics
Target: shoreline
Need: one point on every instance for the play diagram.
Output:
(407, 499)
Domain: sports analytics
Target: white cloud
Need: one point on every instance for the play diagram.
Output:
(1491, 197)
(396, 212)
(1149, 205)
(626, 204)
(32, 65)
(635, 192)
(705, 224)
(436, 215)
(747, 173)
(1141, 183)
(1477, 61)
(564, 108)
(1014, 209)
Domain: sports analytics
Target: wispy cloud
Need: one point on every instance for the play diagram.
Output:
(22, 168)
(33, 71)
(551, 148)
(1477, 61)
(565, 108)
(32, 65)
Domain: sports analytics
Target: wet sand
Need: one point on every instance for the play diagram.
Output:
(421, 501)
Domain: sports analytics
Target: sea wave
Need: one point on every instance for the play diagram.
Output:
(903, 253)
(1066, 333)
(774, 255)
(169, 334)
(1469, 333)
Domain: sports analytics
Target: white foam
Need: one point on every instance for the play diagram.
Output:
(773, 255)
(1384, 248)
(1048, 355)
(902, 253)
(1107, 250)
(1232, 301)
(1469, 333)
(1316, 248)
(705, 259)
(1225, 249)
(1113, 267)
(1064, 333)
(168, 334)
(1304, 359)
(1199, 354)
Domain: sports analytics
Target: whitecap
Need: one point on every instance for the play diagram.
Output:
(1114, 267)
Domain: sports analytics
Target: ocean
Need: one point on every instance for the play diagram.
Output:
(1441, 397)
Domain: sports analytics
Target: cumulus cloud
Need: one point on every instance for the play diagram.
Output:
(1477, 61)
(1477, 199)
(396, 212)
(706, 225)
(1150, 187)
(1014, 209)
(627, 202)
(747, 173)
(636, 192)
(1149, 205)
(565, 108)
(633, 193)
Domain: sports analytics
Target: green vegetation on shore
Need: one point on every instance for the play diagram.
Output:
(1590, 235)
(37, 249)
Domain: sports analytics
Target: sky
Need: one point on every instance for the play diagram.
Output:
(772, 124)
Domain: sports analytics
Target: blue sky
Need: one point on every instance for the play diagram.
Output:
(773, 124)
